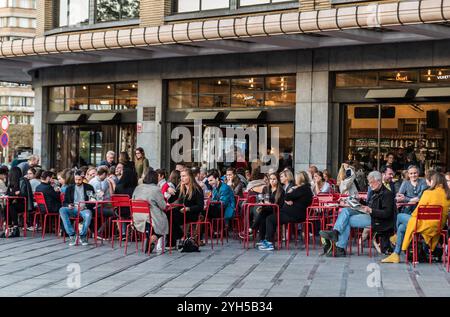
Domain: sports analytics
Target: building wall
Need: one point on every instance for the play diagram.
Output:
(317, 123)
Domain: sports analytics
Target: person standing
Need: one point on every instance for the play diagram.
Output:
(109, 161)
(141, 163)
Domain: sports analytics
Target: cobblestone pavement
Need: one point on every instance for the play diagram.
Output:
(36, 267)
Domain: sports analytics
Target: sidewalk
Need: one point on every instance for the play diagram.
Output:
(36, 267)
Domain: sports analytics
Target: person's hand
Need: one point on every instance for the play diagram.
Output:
(57, 189)
(400, 197)
(367, 209)
(289, 202)
(171, 191)
(71, 206)
(414, 200)
(17, 192)
(187, 209)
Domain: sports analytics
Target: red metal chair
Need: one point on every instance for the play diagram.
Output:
(40, 202)
(236, 221)
(315, 213)
(139, 207)
(205, 222)
(217, 223)
(119, 202)
(169, 209)
(428, 213)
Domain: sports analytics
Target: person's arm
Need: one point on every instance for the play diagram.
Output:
(175, 197)
(387, 206)
(159, 200)
(423, 201)
(295, 194)
(198, 202)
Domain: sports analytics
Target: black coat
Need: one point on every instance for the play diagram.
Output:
(25, 191)
(195, 204)
(383, 210)
(52, 198)
(301, 197)
(69, 196)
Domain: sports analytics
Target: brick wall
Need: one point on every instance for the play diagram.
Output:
(152, 12)
(309, 5)
(44, 18)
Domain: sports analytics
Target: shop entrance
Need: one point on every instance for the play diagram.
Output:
(416, 133)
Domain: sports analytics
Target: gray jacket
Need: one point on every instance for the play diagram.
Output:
(152, 194)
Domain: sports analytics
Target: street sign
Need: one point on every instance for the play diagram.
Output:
(4, 140)
(4, 123)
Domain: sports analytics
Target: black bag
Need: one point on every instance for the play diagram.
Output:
(423, 253)
(189, 245)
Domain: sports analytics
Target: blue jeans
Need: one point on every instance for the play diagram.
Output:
(402, 223)
(65, 213)
(347, 219)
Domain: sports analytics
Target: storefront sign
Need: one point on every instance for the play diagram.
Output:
(149, 113)
(139, 127)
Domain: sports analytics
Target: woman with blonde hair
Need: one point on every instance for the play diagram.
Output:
(346, 179)
(190, 195)
(438, 194)
(296, 201)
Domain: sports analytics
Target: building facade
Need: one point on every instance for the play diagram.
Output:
(338, 79)
(17, 21)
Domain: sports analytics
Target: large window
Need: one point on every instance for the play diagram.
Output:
(73, 12)
(232, 92)
(114, 10)
(200, 5)
(25, 4)
(94, 97)
(16, 22)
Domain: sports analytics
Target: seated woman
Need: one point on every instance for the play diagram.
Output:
(276, 196)
(150, 192)
(234, 182)
(297, 200)
(411, 190)
(320, 185)
(189, 194)
(437, 194)
(125, 186)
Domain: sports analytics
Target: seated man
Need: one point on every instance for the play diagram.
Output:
(75, 194)
(102, 188)
(221, 192)
(379, 213)
(52, 197)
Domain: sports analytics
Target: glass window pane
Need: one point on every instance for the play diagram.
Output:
(215, 4)
(390, 78)
(183, 87)
(188, 5)
(435, 75)
(3, 3)
(108, 10)
(130, 9)
(245, 92)
(56, 92)
(252, 2)
(273, 99)
(126, 95)
(78, 12)
(182, 101)
(63, 10)
(356, 79)
(282, 83)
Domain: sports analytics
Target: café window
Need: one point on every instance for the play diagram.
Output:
(73, 12)
(356, 79)
(182, 6)
(242, 92)
(435, 75)
(397, 78)
(114, 10)
(93, 97)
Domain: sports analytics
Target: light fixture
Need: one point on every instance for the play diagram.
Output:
(429, 78)
(429, 72)
(398, 74)
(109, 87)
(133, 86)
(282, 88)
(251, 86)
(84, 87)
(250, 80)
(219, 82)
(282, 79)
(440, 73)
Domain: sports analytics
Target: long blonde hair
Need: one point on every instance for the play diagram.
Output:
(191, 187)
(341, 175)
(301, 178)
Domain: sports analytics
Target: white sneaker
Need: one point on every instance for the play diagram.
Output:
(159, 245)
(72, 240)
(377, 246)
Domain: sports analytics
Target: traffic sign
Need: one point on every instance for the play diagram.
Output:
(4, 139)
(4, 123)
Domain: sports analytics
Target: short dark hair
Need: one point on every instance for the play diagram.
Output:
(33, 170)
(102, 170)
(78, 173)
(151, 177)
(384, 169)
(161, 172)
(4, 170)
(39, 173)
(46, 174)
(213, 173)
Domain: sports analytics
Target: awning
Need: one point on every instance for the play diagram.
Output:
(434, 92)
(108, 116)
(386, 93)
(67, 117)
(233, 115)
(203, 115)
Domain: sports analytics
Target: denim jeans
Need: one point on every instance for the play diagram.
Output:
(66, 212)
(402, 223)
(347, 219)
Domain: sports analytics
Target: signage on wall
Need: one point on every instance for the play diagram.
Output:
(149, 113)
(4, 139)
(139, 127)
(4, 123)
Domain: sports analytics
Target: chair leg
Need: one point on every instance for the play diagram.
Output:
(44, 227)
(126, 238)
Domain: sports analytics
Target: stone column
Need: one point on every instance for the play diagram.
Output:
(312, 132)
(150, 139)
(40, 135)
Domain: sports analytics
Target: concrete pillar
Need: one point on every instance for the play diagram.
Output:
(312, 122)
(40, 135)
(150, 139)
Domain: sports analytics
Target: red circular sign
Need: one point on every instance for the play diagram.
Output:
(4, 139)
(4, 123)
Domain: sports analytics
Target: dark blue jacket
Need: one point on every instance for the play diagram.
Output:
(52, 198)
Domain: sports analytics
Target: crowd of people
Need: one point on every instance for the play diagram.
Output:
(184, 191)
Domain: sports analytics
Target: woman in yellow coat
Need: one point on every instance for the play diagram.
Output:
(438, 194)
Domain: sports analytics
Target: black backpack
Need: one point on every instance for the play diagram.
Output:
(189, 245)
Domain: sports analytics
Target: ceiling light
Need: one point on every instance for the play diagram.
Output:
(84, 87)
(429, 72)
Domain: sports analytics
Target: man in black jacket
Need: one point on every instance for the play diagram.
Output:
(52, 197)
(75, 194)
(378, 214)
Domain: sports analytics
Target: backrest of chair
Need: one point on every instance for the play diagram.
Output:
(40, 200)
(432, 212)
(251, 199)
(120, 200)
(61, 197)
(140, 206)
(324, 198)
